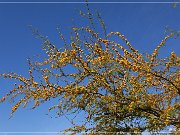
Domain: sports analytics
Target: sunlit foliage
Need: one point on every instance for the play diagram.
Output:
(119, 88)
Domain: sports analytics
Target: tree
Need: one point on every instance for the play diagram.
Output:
(175, 4)
(118, 88)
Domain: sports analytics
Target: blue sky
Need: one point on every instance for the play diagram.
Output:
(143, 24)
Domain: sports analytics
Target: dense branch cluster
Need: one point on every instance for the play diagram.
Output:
(119, 88)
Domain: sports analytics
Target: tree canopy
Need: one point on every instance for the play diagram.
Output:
(118, 88)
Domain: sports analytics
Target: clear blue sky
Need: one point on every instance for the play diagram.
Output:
(143, 24)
